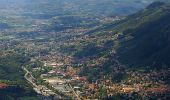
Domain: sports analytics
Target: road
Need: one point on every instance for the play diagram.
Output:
(78, 97)
(43, 90)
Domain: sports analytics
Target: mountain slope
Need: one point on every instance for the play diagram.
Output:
(143, 37)
(12, 75)
(149, 42)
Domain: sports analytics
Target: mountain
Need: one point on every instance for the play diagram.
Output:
(149, 41)
(143, 37)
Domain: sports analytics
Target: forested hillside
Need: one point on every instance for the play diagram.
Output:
(12, 75)
(143, 37)
(148, 43)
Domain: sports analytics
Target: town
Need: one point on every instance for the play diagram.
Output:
(64, 56)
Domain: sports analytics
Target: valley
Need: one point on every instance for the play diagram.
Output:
(64, 50)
